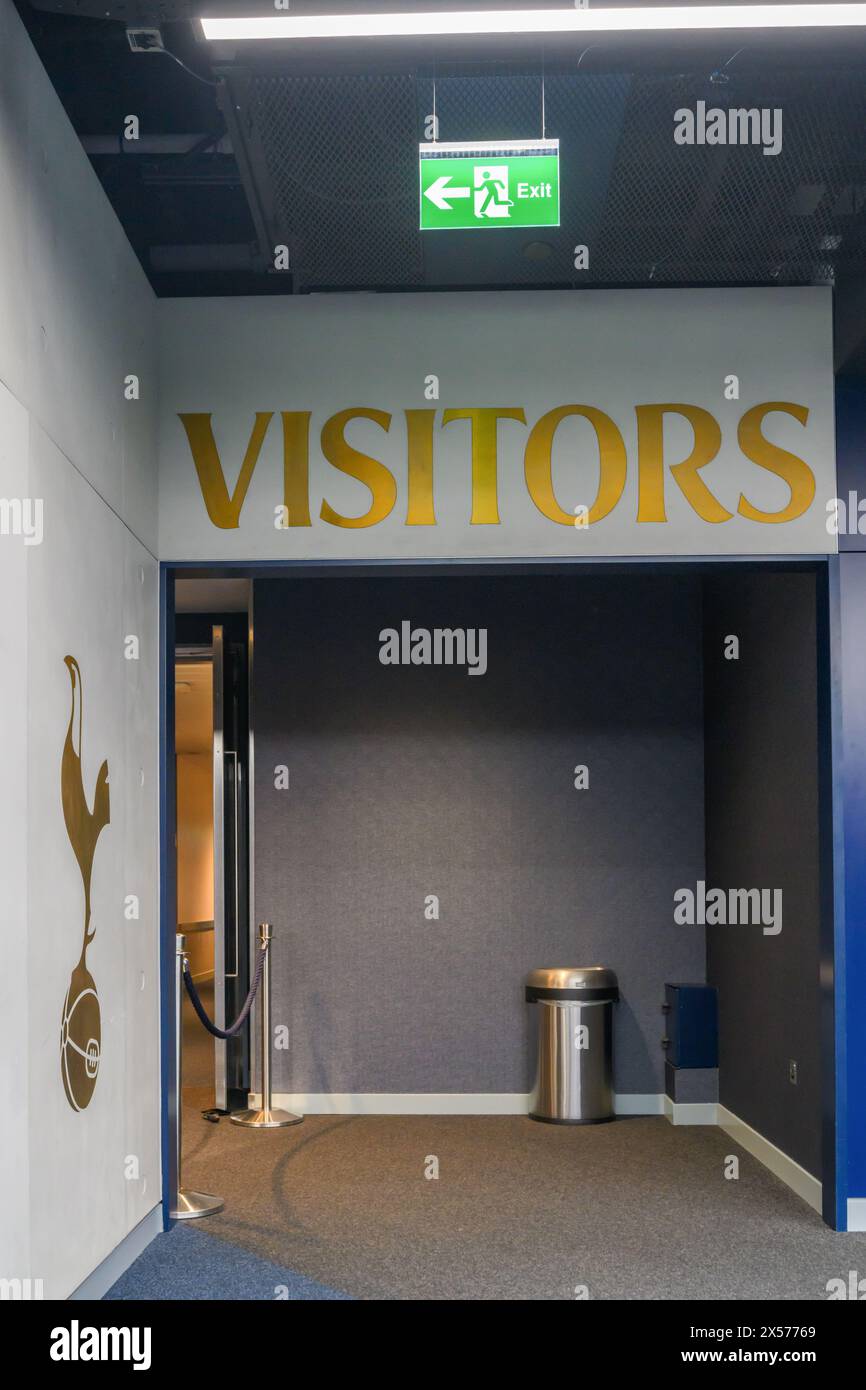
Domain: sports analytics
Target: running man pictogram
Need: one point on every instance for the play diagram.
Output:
(491, 191)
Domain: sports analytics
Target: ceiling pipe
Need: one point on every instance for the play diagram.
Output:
(154, 144)
(236, 256)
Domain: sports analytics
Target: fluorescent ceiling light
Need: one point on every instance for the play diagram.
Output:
(562, 21)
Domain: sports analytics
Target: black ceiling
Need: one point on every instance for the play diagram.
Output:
(246, 149)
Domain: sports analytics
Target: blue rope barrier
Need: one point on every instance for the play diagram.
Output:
(248, 1002)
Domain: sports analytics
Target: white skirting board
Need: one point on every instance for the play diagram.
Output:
(856, 1214)
(801, 1182)
(691, 1112)
(435, 1103)
(398, 1103)
(97, 1284)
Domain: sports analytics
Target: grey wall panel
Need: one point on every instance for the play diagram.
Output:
(762, 831)
(409, 781)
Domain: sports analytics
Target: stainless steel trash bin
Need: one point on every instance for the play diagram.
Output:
(574, 1077)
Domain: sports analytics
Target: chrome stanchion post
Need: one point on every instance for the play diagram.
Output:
(266, 1117)
(187, 1204)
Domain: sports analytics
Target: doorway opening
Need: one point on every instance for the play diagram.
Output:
(211, 839)
(424, 830)
(193, 688)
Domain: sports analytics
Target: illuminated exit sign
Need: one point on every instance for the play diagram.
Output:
(512, 183)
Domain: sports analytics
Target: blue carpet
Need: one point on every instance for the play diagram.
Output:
(188, 1264)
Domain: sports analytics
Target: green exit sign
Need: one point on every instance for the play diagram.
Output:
(504, 184)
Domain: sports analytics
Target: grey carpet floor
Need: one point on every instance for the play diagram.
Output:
(187, 1263)
(637, 1209)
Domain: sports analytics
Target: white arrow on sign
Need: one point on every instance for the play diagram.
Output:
(439, 192)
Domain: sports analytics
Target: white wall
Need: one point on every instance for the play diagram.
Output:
(76, 312)
(14, 1148)
(76, 317)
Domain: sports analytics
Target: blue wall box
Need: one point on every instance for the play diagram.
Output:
(692, 1032)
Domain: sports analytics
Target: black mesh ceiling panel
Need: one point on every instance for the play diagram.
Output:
(729, 212)
(332, 163)
(339, 157)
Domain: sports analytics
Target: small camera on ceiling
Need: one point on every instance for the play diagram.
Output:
(142, 40)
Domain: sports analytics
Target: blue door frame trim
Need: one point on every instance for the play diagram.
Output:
(167, 889)
(850, 667)
(835, 1088)
(834, 1049)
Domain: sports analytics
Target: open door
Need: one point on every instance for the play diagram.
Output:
(231, 859)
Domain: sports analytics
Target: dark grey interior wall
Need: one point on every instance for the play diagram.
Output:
(407, 781)
(762, 831)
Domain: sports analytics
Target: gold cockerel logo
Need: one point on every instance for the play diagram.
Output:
(80, 1031)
